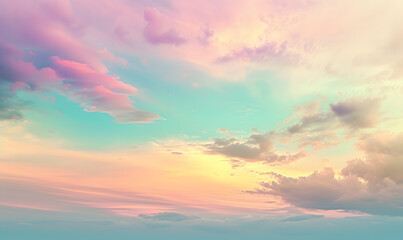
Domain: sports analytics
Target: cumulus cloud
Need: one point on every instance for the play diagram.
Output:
(155, 31)
(312, 125)
(384, 160)
(372, 185)
(257, 148)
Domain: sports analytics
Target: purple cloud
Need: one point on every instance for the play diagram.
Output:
(155, 33)
(100, 92)
(357, 113)
(16, 74)
(269, 51)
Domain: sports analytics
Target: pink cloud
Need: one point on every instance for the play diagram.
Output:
(20, 73)
(97, 91)
(53, 29)
(78, 75)
(53, 32)
(100, 92)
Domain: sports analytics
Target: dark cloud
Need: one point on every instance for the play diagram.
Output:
(257, 148)
(311, 125)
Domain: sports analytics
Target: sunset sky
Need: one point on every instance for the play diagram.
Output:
(175, 119)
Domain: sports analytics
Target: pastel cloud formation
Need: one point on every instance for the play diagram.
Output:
(59, 60)
(317, 127)
(267, 52)
(100, 92)
(309, 126)
(285, 93)
(372, 185)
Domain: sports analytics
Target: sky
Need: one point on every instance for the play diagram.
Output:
(174, 119)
